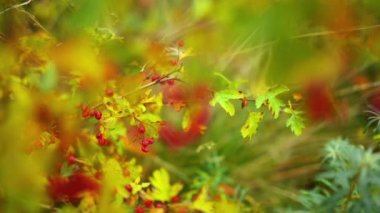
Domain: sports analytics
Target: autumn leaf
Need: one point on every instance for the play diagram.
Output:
(162, 189)
(270, 97)
(249, 129)
(201, 203)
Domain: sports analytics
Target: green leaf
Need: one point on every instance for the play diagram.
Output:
(113, 173)
(202, 204)
(295, 121)
(67, 170)
(148, 117)
(274, 104)
(115, 130)
(49, 77)
(249, 129)
(223, 98)
(162, 190)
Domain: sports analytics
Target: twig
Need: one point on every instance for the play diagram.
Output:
(31, 16)
(312, 34)
(16, 6)
(354, 89)
(163, 78)
(350, 194)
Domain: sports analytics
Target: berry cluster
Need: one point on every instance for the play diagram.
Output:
(145, 142)
(87, 113)
(149, 204)
(101, 140)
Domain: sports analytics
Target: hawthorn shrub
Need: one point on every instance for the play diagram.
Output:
(189, 106)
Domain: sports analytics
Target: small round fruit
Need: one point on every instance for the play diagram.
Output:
(99, 135)
(148, 203)
(102, 142)
(145, 142)
(71, 159)
(98, 115)
(156, 77)
(171, 82)
(139, 210)
(176, 199)
(141, 129)
(109, 92)
(159, 205)
(181, 43)
(128, 187)
(144, 149)
(150, 141)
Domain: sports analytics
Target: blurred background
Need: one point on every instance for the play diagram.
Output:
(56, 55)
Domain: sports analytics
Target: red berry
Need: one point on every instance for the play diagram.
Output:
(176, 199)
(84, 107)
(139, 210)
(71, 159)
(156, 77)
(99, 135)
(144, 149)
(102, 142)
(174, 62)
(109, 92)
(159, 205)
(128, 188)
(170, 82)
(148, 203)
(86, 114)
(97, 115)
(150, 141)
(145, 142)
(141, 129)
(181, 43)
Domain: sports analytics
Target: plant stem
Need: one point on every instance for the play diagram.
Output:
(350, 194)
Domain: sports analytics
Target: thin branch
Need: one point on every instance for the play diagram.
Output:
(33, 18)
(350, 90)
(312, 34)
(16, 6)
(162, 79)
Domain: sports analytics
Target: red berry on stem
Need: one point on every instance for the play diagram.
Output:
(145, 142)
(159, 205)
(71, 159)
(174, 62)
(144, 149)
(176, 199)
(150, 141)
(97, 115)
(171, 82)
(84, 107)
(128, 188)
(102, 142)
(139, 210)
(148, 203)
(99, 135)
(181, 43)
(109, 92)
(156, 77)
(141, 129)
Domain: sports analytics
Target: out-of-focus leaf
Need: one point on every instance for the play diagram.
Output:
(162, 189)
(202, 203)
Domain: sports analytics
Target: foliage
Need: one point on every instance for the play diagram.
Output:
(349, 182)
(144, 106)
